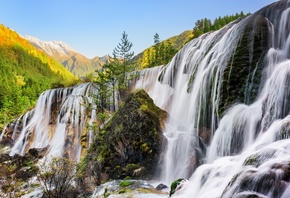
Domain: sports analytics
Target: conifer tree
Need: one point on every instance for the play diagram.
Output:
(123, 53)
(156, 38)
(157, 54)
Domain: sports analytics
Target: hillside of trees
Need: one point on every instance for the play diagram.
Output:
(25, 74)
(206, 25)
(162, 51)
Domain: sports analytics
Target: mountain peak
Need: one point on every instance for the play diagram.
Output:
(75, 62)
(51, 47)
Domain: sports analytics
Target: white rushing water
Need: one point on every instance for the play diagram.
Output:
(185, 107)
(240, 151)
(249, 142)
(57, 122)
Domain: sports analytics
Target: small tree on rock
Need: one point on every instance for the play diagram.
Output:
(56, 178)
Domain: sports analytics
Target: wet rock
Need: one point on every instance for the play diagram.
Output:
(260, 183)
(127, 188)
(161, 187)
(247, 61)
(7, 141)
(176, 185)
(38, 152)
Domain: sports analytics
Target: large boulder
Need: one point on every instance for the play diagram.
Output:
(130, 143)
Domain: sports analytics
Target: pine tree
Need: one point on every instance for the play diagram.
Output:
(156, 39)
(123, 53)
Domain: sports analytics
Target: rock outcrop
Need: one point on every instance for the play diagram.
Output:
(130, 143)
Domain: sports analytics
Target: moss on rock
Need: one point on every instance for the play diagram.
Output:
(130, 144)
(174, 186)
(242, 76)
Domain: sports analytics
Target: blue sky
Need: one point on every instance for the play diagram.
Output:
(94, 27)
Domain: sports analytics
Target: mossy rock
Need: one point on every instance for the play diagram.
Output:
(130, 143)
(242, 76)
(174, 186)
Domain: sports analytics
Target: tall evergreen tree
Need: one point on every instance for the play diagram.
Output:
(123, 53)
(156, 38)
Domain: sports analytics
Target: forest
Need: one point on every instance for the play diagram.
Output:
(25, 74)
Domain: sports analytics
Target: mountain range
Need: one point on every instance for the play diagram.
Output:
(75, 62)
(82, 66)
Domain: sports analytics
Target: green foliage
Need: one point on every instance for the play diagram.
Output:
(251, 160)
(131, 168)
(174, 186)
(102, 82)
(122, 191)
(160, 54)
(25, 74)
(162, 51)
(113, 69)
(145, 148)
(114, 75)
(156, 38)
(123, 53)
(125, 183)
(89, 77)
(206, 25)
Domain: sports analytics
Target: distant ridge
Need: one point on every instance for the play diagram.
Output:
(75, 62)
(50, 47)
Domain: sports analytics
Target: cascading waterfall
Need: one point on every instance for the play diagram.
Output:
(228, 98)
(58, 122)
(194, 73)
(245, 149)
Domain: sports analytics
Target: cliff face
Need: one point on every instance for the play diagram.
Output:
(129, 145)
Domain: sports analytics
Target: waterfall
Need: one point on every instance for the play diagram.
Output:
(186, 83)
(228, 99)
(58, 122)
(227, 138)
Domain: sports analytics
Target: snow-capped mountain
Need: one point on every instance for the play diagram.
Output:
(51, 47)
(75, 62)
